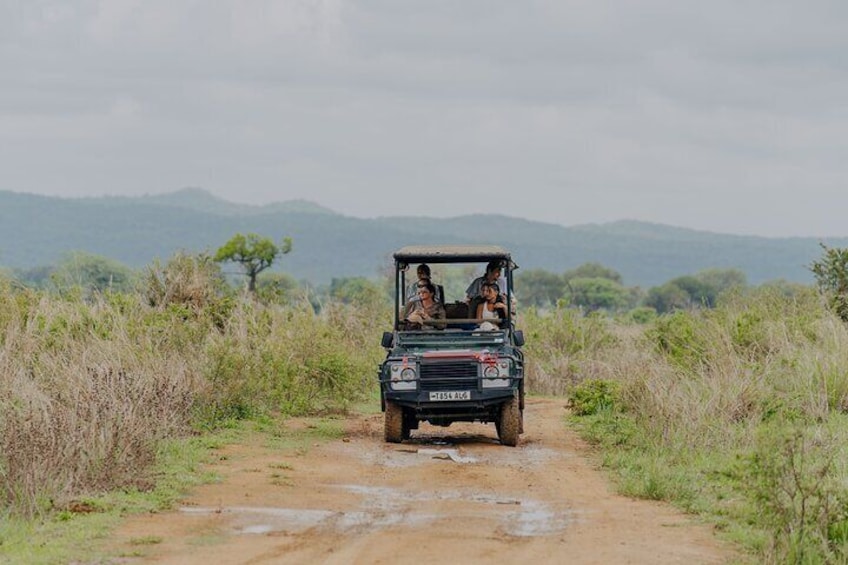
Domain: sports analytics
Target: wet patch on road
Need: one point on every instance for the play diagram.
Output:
(384, 507)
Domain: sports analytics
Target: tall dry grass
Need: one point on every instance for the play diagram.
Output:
(89, 387)
(82, 402)
(692, 374)
(738, 412)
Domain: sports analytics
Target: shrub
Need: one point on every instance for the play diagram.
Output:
(593, 396)
(677, 336)
(793, 482)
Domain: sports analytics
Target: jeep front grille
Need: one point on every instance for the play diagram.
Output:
(449, 375)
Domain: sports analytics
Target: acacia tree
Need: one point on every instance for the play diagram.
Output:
(254, 252)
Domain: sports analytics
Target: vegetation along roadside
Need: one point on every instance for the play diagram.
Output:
(734, 410)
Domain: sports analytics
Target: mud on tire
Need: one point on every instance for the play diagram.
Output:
(394, 429)
(509, 423)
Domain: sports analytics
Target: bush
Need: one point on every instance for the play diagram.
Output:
(593, 396)
(677, 336)
(793, 482)
(559, 345)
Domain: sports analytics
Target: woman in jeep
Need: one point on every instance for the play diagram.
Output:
(425, 311)
(490, 309)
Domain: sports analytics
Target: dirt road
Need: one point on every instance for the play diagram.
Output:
(451, 495)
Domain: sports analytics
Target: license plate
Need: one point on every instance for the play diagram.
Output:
(451, 395)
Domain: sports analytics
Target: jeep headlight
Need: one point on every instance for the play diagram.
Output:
(403, 376)
(496, 374)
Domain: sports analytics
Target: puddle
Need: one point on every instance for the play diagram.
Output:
(264, 520)
(383, 507)
(521, 517)
(534, 519)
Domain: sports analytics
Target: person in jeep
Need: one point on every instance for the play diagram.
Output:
(490, 308)
(493, 274)
(426, 310)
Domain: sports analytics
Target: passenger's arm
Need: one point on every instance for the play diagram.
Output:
(407, 309)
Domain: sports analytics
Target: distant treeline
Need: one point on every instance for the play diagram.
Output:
(590, 287)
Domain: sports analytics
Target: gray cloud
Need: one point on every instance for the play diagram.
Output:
(725, 116)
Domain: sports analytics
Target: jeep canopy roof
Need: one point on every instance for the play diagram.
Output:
(452, 254)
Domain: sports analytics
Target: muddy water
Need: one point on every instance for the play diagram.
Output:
(452, 495)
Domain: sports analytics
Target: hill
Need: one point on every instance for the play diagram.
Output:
(37, 230)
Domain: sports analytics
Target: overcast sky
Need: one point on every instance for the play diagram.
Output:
(728, 115)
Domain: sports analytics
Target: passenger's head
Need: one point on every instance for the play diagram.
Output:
(426, 290)
(423, 271)
(490, 290)
(493, 270)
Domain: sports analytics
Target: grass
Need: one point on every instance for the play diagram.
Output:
(67, 536)
(736, 414)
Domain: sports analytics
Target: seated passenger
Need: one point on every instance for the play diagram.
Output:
(493, 273)
(490, 309)
(425, 310)
(423, 273)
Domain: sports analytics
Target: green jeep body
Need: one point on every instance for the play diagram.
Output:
(455, 374)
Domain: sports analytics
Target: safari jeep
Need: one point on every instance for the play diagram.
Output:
(455, 372)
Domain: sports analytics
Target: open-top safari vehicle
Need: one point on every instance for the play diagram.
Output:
(460, 369)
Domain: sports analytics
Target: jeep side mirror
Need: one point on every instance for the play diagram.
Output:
(388, 340)
(518, 338)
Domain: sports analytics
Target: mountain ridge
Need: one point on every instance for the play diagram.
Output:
(36, 230)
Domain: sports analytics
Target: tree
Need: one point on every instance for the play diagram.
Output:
(357, 290)
(667, 297)
(539, 288)
(92, 273)
(722, 279)
(831, 273)
(592, 271)
(254, 252)
(700, 293)
(593, 294)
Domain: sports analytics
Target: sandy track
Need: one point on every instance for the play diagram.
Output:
(447, 495)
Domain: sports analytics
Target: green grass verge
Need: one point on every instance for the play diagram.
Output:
(780, 498)
(72, 535)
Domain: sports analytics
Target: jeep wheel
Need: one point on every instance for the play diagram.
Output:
(509, 423)
(394, 426)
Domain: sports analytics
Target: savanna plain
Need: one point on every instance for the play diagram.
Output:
(173, 421)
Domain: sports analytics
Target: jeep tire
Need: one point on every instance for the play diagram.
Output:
(395, 429)
(509, 422)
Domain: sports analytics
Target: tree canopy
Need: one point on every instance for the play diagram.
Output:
(254, 253)
(91, 272)
(595, 293)
(592, 271)
(539, 288)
